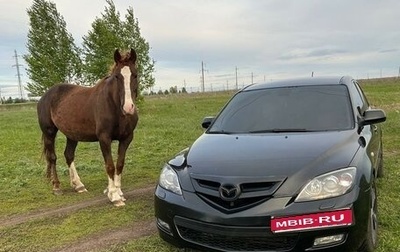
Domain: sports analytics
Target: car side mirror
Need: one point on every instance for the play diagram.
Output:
(207, 121)
(373, 116)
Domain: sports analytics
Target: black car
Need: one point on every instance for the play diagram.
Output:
(285, 166)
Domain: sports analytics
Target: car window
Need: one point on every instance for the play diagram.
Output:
(302, 108)
(360, 99)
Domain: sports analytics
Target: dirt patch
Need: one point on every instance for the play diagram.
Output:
(43, 213)
(96, 241)
(111, 237)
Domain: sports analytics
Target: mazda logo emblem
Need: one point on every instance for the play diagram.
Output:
(229, 192)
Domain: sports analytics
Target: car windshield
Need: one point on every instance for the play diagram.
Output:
(287, 109)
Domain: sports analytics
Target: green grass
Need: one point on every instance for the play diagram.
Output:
(385, 94)
(48, 233)
(167, 124)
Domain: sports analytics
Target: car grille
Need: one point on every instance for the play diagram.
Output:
(253, 191)
(232, 238)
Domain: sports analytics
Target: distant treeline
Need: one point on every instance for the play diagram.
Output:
(11, 100)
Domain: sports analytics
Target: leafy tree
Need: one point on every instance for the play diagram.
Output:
(110, 32)
(19, 100)
(133, 39)
(52, 55)
(9, 100)
(100, 42)
(173, 90)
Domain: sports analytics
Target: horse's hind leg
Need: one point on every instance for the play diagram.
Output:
(69, 154)
(51, 158)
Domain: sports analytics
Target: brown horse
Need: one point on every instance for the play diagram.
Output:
(103, 113)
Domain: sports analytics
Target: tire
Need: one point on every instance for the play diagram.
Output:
(380, 172)
(372, 235)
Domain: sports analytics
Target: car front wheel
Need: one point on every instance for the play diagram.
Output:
(372, 235)
(380, 172)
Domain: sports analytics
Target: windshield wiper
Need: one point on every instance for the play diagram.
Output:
(280, 130)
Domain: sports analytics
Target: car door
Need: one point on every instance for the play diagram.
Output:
(372, 133)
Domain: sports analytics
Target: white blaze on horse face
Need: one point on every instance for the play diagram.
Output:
(128, 106)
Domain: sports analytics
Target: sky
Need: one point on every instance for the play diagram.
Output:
(232, 41)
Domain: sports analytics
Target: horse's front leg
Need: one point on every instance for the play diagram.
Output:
(112, 191)
(122, 147)
(69, 154)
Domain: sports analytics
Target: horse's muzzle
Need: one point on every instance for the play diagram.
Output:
(128, 108)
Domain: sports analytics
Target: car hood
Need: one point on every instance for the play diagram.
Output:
(292, 157)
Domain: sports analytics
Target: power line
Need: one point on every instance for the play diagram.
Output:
(17, 65)
(398, 75)
(236, 73)
(202, 77)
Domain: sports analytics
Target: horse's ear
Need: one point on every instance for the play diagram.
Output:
(117, 56)
(133, 56)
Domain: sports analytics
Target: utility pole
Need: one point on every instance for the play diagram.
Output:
(17, 65)
(398, 75)
(236, 70)
(252, 77)
(202, 77)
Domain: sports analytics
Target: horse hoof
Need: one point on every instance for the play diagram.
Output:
(57, 192)
(119, 203)
(81, 189)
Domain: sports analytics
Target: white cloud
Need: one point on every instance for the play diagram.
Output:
(269, 39)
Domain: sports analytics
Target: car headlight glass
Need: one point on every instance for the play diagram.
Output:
(328, 185)
(169, 180)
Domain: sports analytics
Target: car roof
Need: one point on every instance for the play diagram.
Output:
(308, 81)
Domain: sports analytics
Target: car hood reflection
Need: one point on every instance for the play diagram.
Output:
(293, 155)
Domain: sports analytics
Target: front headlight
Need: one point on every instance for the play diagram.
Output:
(328, 185)
(169, 180)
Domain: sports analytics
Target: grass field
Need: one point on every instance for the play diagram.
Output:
(167, 124)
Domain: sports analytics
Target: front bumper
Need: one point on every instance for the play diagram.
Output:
(187, 221)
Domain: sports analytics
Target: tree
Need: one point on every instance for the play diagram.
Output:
(110, 32)
(133, 39)
(99, 44)
(52, 55)
(173, 90)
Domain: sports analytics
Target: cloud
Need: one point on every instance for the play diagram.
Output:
(313, 53)
(262, 39)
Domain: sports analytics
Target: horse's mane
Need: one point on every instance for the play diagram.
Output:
(125, 57)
